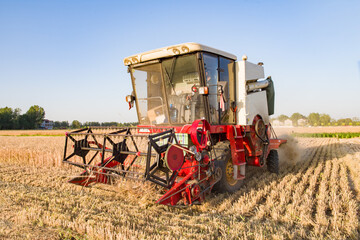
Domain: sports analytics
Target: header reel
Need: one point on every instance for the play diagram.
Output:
(109, 153)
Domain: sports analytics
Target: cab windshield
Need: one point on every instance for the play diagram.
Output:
(174, 78)
(181, 75)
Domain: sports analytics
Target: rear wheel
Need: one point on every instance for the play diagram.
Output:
(272, 162)
(227, 183)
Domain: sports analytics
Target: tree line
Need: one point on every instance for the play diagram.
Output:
(33, 118)
(13, 119)
(318, 119)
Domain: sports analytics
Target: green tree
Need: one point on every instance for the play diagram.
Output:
(129, 124)
(325, 119)
(282, 118)
(57, 124)
(7, 118)
(17, 114)
(64, 124)
(295, 118)
(109, 124)
(75, 124)
(314, 119)
(95, 124)
(23, 122)
(332, 122)
(34, 117)
(344, 121)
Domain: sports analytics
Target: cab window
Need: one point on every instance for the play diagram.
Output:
(218, 72)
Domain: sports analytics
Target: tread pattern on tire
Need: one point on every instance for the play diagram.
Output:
(272, 161)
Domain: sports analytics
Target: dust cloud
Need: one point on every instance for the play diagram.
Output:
(290, 151)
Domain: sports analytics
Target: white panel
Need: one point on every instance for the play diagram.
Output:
(240, 92)
(253, 71)
(257, 104)
(249, 105)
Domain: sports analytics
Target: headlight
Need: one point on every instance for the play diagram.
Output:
(135, 60)
(185, 49)
(129, 98)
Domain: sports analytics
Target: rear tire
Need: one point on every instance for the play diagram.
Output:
(272, 162)
(224, 161)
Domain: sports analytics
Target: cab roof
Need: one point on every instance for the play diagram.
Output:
(174, 50)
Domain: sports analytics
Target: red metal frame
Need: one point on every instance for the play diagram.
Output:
(196, 176)
(98, 172)
(245, 149)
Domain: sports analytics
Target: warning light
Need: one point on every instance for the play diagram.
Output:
(203, 90)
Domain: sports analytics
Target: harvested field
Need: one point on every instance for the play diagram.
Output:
(60, 132)
(338, 129)
(315, 196)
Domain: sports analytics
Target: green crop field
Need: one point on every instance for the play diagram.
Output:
(328, 135)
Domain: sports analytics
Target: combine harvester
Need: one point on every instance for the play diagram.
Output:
(203, 117)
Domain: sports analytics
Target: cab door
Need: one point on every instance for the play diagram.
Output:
(219, 77)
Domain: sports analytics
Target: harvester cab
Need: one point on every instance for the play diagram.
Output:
(203, 117)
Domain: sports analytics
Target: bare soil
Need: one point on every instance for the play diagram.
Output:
(289, 130)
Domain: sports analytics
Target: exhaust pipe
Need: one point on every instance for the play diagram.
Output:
(257, 85)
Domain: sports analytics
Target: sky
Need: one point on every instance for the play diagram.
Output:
(67, 56)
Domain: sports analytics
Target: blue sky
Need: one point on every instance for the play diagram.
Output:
(66, 56)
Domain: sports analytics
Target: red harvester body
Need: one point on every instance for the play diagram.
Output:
(203, 118)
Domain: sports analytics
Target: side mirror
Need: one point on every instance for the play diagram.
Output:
(130, 100)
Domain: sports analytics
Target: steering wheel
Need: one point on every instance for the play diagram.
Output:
(199, 133)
